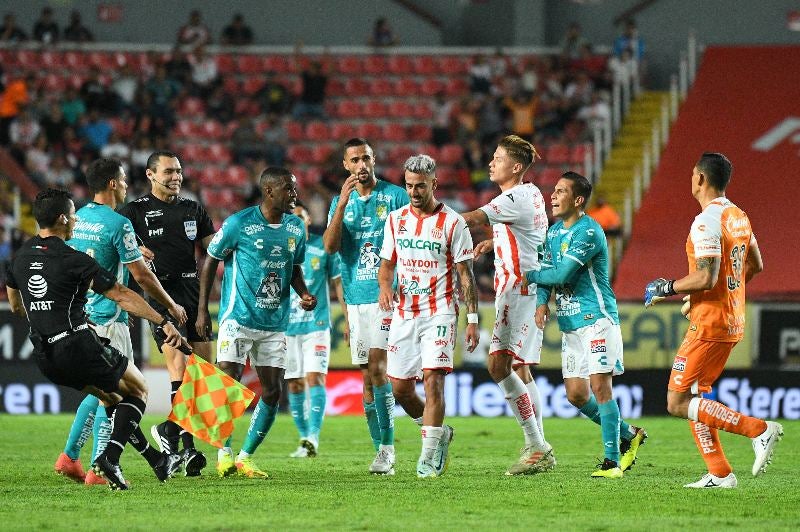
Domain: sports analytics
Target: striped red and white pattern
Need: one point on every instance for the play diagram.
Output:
(519, 225)
(425, 251)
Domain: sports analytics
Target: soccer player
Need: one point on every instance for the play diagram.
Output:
(723, 256)
(575, 265)
(355, 230)
(108, 237)
(308, 341)
(519, 225)
(169, 228)
(427, 243)
(263, 248)
(48, 282)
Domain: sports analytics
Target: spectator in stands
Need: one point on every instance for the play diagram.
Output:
(275, 96)
(23, 132)
(37, 159)
(179, 68)
(587, 61)
(142, 148)
(72, 147)
(597, 113)
(164, 92)
(45, 30)
(442, 119)
(622, 67)
(14, 97)
(5, 259)
(237, 33)
(53, 124)
(117, 148)
(76, 31)
(312, 98)
(124, 87)
(467, 119)
(96, 130)
(10, 32)
(480, 75)
(276, 138)
(629, 40)
(219, 105)
(477, 162)
(58, 173)
(605, 215)
(72, 106)
(205, 75)
(499, 64)
(529, 77)
(194, 33)
(246, 142)
(382, 34)
(579, 91)
(572, 42)
(95, 94)
(523, 112)
(490, 120)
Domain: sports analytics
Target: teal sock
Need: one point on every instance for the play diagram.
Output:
(297, 406)
(317, 398)
(372, 424)
(591, 411)
(263, 418)
(81, 427)
(384, 406)
(609, 428)
(101, 432)
(228, 442)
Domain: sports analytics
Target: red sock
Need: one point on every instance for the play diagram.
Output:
(707, 441)
(719, 416)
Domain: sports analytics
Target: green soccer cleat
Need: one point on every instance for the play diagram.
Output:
(248, 468)
(608, 469)
(226, 466)
(629, 448)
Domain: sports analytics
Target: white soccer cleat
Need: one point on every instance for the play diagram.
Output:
(310, 446)
(441, 456)
(532, 461)
(764, 446)
(383, 463)
(300, 452)
(711, 481)
(426, 469)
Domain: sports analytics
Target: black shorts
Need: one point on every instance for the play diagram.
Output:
(80, 360)
(186, 293)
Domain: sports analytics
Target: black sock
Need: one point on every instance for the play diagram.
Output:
(187, 439)
(140, 443)
(124, 421)
(173, 430)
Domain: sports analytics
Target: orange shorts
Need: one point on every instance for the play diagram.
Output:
(698, 365)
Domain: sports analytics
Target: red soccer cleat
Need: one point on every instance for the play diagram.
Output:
(92, 478)
(70, 468)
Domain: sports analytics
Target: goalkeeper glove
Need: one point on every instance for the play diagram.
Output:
(658, 290)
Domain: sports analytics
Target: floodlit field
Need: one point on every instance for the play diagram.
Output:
(334, 490)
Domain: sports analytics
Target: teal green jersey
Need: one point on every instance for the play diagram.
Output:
(259, 258)
(108, 237)
(575, 264)
(362, 238)
(318, 269)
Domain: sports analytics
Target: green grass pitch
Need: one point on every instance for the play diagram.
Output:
(334, 491)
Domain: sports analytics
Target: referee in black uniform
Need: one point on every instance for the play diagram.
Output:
(47, 282)
(169, 227)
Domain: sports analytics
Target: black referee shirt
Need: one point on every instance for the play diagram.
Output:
(170, 231)
(53, 280)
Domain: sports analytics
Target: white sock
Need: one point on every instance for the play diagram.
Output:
(694, 408)
(389, 448)
(520, 402)
(225, 451)
(242, 455)
(417, 420)
(536, 400)
(430, 440)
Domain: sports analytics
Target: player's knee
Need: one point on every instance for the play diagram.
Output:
(676, 407)
(295, 385)
(577, 398)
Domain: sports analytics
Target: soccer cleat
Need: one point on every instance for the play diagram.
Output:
(383, 463)
(248, 468)
(532, 461)
(167, 466)
(300, 452)
(103, 467)
(226, 466)
(629, 448)
(166, 444)
(70, 468)
(93, 479)
(764, 446)
(426, 469)
(607, 469)
(441, 456)
(310, 447)
(193, 462)
(710, 481)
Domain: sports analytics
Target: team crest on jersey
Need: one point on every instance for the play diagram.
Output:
(436, 232)
(381, 211)
(190, 226)
(292, 244)
(315, 263)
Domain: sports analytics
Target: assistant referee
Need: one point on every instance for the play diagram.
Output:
(169, 228)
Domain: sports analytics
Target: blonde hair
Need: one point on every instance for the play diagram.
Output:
(520, 150)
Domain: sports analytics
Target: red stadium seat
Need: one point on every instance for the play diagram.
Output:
(578, 153)
(420, 132)
(50, 59)
(453, 65)
(432, 86)
(557, 154)
(457, 87)
(451, 154)
(54, 83)
(219, 153)
(102, 60)
(236, 176)
(210, 176)
(400, 65)
(348, 109)
(374, 109)
(429, 149)
(250, 64)
(191, 106)
(394, 133)
(349, 64)
(425, 65)
(212, 130)
(299, 153)
(335, 87)
(342, 131)
(369, 131)
(375, 65)
(191, 153)
(393, 174)
(406, 87)
(278, 64)
(294, 130)
(223, 197)
(225, 64)
(231, 85)
(356, 87)
(399, 154)
(76, 61)
(423, 110)
(381, 87)
(317, 131)
(320, 153)
(252, 85)
(549, 177)
(400, 109)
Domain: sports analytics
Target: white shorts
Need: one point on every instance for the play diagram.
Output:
(307, 353)
(119, 335)
(418, 344)
(369, 329)
(515, 331)
(592, 350)
(265, 348)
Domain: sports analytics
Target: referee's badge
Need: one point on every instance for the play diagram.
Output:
(291, 244)
(190, 226)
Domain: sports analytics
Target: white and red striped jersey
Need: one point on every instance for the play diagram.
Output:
(519, 226)
(425, 250)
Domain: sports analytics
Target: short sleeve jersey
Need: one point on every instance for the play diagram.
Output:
(519, 226)
(587, 296)
(108, 237)
(362, 237)
(425, 250)
(721, 230)
(170, 231)
(259, 258)
(318, 269)
(53, 280)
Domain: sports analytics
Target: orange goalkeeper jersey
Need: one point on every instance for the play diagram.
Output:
(721, 230)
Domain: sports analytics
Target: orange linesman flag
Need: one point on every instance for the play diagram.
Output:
(208, 401)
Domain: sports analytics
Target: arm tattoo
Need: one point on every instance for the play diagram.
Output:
(468, 288)
(704, 263)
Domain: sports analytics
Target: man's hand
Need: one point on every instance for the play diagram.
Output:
(203, 324)
(657, 291)
(686, 308)
(179, 313)
(386, 300)
(346, 332)
(348, 186)
(308, 302)
(483, 247)
(542, 315)
(472, 337)
(172, 337)
(147, 255)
